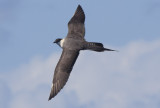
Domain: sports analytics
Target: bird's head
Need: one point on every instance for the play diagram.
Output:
(58, 41)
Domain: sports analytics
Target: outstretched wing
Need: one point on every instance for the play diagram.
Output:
(76, 24)
(62, 71)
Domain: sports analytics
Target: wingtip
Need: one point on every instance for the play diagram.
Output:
(79, 6)
(50, 97)
(78, 17)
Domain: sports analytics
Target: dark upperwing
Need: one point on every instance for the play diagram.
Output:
(76, 26)
(63, 70)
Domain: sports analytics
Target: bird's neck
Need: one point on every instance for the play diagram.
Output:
(62, 42)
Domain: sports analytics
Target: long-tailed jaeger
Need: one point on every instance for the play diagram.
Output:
(71, 45)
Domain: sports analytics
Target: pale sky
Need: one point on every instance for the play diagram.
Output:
(125, 79)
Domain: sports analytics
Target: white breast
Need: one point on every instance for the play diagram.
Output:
(62, 42)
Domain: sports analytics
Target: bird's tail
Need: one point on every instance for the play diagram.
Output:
(95, 46)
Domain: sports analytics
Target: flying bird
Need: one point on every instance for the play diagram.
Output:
(72, 44)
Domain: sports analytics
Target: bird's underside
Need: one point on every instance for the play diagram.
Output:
(71, 45)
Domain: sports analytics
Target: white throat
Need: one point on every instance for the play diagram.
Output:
(62, 42)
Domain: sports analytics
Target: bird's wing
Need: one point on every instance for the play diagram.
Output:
(76, 26)
(62, 71)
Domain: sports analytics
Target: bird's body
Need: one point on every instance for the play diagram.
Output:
(71, 45)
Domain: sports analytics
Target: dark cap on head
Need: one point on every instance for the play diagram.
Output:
(57, 40)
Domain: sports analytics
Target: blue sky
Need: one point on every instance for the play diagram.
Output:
(125, 79)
